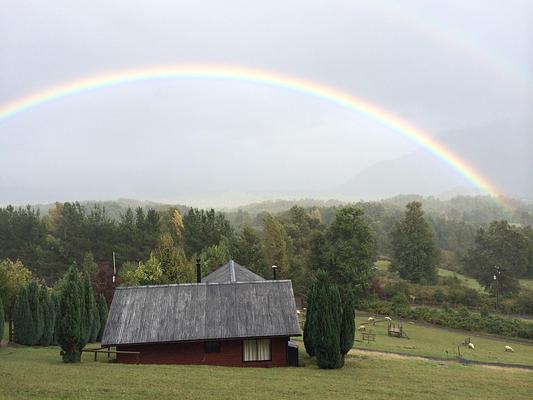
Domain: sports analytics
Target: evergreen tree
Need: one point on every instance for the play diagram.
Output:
(1, 320)
(56, 304)
(348, 322)
(275, 245)
(102, 313)
(36, 309)
(247, 249)
(310, 321)
(69, 323)
(47, 336)
(22, 317)
(328, 324)
(415, 253)
(353, 250)
(88, 312)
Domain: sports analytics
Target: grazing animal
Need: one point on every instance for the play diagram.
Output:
(371, 319)
(361, 328)
(509, 348)
(298, 312)
(471, 346)
(388, 319)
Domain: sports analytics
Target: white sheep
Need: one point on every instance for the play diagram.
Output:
(371, 319)
(388, 319)
(509, 348)
(298, 312)
(471, 346)
(361, 328)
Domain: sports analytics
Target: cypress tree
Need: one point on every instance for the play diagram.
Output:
(102, 313)
(56, 304)
(37, 323)
(329, 308)
(22, 317)
(88, 312)
(310, 323)
(348, 322)
(96, 323)
(1, 320)
(48, 317)
(69, 322)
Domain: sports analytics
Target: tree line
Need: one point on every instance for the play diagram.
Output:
(161, 246)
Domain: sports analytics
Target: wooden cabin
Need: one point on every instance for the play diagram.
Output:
(233, 317)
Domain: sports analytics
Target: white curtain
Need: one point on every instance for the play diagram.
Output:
(263, 349)
(257, 350)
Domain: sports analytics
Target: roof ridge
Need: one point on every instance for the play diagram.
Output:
(204, 284)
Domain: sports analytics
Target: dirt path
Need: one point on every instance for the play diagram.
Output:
(403, 356)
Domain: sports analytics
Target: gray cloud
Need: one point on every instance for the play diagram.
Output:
(442, 66)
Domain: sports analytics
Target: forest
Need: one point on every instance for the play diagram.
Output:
(155, 243)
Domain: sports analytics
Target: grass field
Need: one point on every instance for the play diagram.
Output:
(470, 282)
(383, 265)
(39, 373)
(431, 341)
(526, 283)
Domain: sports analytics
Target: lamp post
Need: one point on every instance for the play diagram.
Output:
(274, 268)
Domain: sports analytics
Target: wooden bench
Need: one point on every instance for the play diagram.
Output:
(368, 336)
(109, 351)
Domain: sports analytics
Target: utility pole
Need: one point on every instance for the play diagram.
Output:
(114, 271)
(497, 279)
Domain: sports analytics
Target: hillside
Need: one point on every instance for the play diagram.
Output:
(501, 150)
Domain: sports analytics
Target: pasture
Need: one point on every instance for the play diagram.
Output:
(431, 341)
(38, 373)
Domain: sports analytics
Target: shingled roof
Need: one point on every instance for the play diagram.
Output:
(201, 311)
(232, 272)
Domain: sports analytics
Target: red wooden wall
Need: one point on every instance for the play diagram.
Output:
(193, 353)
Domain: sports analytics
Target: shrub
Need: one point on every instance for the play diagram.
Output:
(48, 315)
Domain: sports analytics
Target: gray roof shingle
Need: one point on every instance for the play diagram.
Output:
(204, 311)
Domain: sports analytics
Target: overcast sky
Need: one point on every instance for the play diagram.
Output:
(442, 66)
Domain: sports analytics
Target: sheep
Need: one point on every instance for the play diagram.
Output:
(371, 319)
(361, 328)
(509, 348)
(298, 312)
(388, 319)
(471, 346)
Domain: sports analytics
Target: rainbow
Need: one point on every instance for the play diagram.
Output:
(255, 76)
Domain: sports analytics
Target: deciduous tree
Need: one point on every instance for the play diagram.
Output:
(13, 277)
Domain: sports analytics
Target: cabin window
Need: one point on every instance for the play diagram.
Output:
(212, 347)
(257, 350)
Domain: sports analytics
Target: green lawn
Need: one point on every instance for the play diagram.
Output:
(38, 373)
(432, 341)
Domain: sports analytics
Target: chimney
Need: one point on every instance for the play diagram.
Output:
(274, 268)
(198, 271)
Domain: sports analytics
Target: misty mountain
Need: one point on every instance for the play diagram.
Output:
(501, 152)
